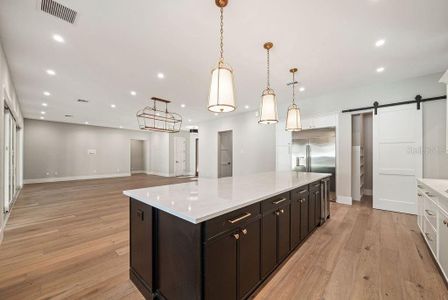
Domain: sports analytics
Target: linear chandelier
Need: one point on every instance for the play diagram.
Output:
(153, 118)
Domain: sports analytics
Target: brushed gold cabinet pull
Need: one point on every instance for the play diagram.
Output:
(430, 213)
(282, 211)
(428, 236)
(279, 201)
(303, 191)
(244, 231)
(277, 213)
(236, 236)
(246, 215)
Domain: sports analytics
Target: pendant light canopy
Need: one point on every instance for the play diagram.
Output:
(293, 121)
(268, 106)
(222, 93)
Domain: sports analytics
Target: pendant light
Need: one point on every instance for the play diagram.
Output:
(268, 106)
(222, 94)
(293, 122)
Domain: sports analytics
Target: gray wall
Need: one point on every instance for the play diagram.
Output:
(137, 156)
(54, 150)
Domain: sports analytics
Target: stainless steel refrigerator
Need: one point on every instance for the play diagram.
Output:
(314, 150)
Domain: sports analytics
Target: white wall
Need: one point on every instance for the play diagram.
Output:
(253, 145)
(160, 149)
(8, 97)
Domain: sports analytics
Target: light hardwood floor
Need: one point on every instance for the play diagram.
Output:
(70, 240)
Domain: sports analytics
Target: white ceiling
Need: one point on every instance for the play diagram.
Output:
(117, 46)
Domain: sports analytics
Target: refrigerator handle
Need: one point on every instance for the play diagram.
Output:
(308, 158)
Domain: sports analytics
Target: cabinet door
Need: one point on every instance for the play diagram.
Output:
(249, 258)
(317, 195)
(312, 211)
(283, 232)
(304, 217)
(420, 210)
(443, 242)
(220, 267)
(141, 240)
(295, 223)
(268, 243)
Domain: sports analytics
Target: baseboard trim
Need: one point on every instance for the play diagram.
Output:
(160, 174)
(71, 178)
(344, 200)
(138, 172)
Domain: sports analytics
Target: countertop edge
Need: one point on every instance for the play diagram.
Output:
(204, 218)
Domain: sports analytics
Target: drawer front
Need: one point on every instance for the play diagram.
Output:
(275, 202)
(430, 211)
(299, 193)
(430, 236)
(314, 186)
(231, 220)
(443, 243)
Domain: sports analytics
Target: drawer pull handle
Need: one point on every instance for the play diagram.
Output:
(430, 213)
(429, 194)
(277, 213)
(246, 215)
(303, 191)
(419, 186)
(236, 236)
(282, 211)
(279, 201)
(419, 194)
(428, 236)
(244, 231)
(445, 221)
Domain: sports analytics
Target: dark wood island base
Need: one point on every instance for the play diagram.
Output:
(227, 257)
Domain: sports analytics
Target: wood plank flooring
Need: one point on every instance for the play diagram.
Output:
(70, 240)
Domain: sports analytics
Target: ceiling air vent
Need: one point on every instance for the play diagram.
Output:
(58, 10)
(83, 101)
(69, 116)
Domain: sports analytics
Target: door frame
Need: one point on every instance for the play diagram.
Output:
(219, 151)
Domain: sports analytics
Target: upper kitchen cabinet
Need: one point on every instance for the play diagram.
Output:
(444, 79)
(319, 121)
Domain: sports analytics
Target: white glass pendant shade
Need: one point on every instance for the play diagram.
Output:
(293, 121)
(222, 93)
(268, 108)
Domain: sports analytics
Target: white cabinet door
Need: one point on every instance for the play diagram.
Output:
(420, 209)
(443, 242)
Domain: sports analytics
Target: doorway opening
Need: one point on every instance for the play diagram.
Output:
(362, 158)
(196, 157)
(225, 153)
(137, 157)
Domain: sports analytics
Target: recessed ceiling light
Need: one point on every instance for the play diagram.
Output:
(51, 72)
(160, 75)
(42, 113)
(133, 93)
(58, 38)
(42, 118)
(87, 123)
(246, 106)
(121, 127)
(44, 104)
(302, 89)
(215, 114)
(113, 105)
(182, 105)
(380, 43)
(189, 120)
(380, 69)
(47, 93)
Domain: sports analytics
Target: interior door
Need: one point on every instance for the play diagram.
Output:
(397, 157)
(179, 156)
(7, 161)
(225, 154)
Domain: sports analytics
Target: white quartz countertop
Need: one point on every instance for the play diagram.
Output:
(439, 186)
(206, 198)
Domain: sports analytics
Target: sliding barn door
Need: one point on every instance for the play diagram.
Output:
(397, 157)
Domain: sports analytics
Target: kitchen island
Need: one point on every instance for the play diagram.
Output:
(220, 238)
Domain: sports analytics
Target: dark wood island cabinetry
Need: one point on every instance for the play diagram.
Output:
(225, 257)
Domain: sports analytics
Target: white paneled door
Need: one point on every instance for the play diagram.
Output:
(397, 157)
(179, 156)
